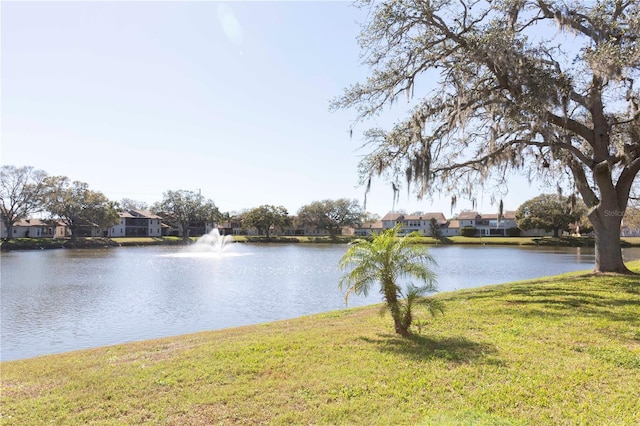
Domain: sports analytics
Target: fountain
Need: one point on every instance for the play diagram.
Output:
(213, 242)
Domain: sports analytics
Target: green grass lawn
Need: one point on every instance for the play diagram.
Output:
(37, 243)
(459, 239)
(141, 241)
(634, 241)
(558, 350)
(340, 239)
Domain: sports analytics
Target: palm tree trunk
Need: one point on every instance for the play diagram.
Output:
(400, 326)
(394, 308)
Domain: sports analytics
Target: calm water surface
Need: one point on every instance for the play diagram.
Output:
(61, 300)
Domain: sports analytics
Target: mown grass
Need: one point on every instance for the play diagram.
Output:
(324, 239)
(558, 350)
(524, 241)
(143, 241)
(31, 243)
(99, 242)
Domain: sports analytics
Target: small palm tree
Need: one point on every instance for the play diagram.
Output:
(385, 260)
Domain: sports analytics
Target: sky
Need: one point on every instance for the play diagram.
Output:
(227, 98)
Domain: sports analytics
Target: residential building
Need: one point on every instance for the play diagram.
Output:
(309, 231)
(627, 231)
(36, 228)
(488, 224)
(368, 229)
(414, 223)
(452, 229)
(137, 223)
(89, 229)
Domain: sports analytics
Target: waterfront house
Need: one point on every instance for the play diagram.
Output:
(36, 228)
(309, 231)
(488, 224)
(368, 229)
(414, 223)
(137, 223)
(452, 228)
(85, 228)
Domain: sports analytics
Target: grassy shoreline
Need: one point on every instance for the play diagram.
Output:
(101, 242)
(554, 350)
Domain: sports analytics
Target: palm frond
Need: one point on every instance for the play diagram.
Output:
(386, 260)
(433, 306)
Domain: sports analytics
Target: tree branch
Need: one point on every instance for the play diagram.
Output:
(625, 182)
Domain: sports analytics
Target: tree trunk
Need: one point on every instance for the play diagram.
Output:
(184, 226)
(400, 327)
(389, 290)
(9, 228)
(606, 226)
(74, 233)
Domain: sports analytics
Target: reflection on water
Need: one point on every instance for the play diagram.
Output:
(204, 254)
(60, 300)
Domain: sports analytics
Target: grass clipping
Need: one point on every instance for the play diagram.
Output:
(559, 350)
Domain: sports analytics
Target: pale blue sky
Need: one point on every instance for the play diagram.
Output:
(230, 98)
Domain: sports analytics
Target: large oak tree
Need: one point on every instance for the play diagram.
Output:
(266, 217)
(549, 212)
(544, 88)
(75, 205)
(331, 215)
(187, 208)
(21, 191)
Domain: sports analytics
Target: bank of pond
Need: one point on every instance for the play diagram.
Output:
(103, 242)
(555, 350)
(61, 300)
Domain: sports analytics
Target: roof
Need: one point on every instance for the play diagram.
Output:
(36, 222)
(506, 215)
(489, 216)
(434, 215)
(138, 214)
(453, 224)
(371, 225)
(144, 213)
(468, 215)
(438, 216)
(30, 222)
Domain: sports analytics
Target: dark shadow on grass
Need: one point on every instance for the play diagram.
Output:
(570, 302)
(628, 283)
(417, 347)
(572, 297)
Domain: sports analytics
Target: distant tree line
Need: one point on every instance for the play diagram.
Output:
(25, 191)
(552, 212)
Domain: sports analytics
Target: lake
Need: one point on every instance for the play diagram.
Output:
(61, 300)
